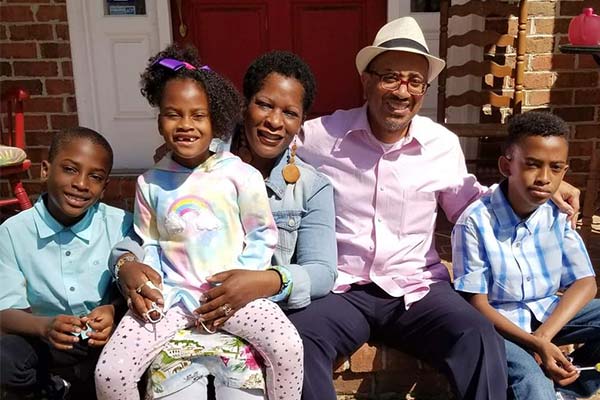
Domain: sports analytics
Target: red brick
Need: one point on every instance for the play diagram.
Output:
(538, 80)
(575, 114)
(3, 35)
(35, 68)
(548, 26)
(577, 180)
(39, 138)
(62, 31)
(576, 79)
(67, 69)
(18, 50)
(540, 44)
(31, 32)
(51, 13)
(580, 148)
(63, 121)
(70, 104)
(366, 359)
(541, 8)
(36, 122)
(44, 104)
(55, 50)
(586, 61)
(128, 187)
(587, 131)
(35, 171)
(15, 13)
(542, 97)
(113, 190)
(32, 86)
(29, 1)
(572, 8)
(60, 86)
(545, 62)
(5, 69)
(395, 360)
(579, 164)
(590, 96)
(391, 382)
(353, 383)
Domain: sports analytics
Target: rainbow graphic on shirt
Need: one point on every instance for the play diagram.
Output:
(189, 204)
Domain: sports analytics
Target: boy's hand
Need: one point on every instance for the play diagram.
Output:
(101, 320)
(59, 331)
(554, 362)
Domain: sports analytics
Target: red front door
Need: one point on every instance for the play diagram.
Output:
(327, 34)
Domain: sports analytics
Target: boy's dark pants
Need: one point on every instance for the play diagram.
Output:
(26, 364)
(442, 329)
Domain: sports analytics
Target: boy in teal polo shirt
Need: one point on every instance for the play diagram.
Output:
(55, 297)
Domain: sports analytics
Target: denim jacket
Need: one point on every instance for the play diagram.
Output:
(305, 218)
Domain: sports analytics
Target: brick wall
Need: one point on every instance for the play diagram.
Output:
(566, 84)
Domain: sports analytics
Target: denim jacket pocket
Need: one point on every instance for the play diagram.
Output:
(288, 222)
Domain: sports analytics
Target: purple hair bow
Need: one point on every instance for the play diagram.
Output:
(176, 65)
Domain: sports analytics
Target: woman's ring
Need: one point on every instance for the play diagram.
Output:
(226, 309)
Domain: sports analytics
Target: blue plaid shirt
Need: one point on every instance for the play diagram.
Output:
(519, 264)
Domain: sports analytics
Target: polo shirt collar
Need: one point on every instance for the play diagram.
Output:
(47, 226)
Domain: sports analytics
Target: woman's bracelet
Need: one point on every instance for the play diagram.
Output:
(286, 283)
(128, 257)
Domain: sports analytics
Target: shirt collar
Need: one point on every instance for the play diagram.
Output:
(47, 226)
(361, 125)
(506, 216)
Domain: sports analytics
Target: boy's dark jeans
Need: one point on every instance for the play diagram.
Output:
(27, 364)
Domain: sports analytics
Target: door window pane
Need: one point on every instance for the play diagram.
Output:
(424, 5)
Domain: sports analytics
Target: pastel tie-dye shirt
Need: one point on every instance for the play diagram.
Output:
(195, 223)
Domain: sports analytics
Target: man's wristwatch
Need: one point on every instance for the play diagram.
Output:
(121, 261)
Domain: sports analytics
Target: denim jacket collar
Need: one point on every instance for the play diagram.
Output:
(275, 181)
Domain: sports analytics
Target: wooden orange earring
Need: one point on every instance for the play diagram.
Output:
(290, 172)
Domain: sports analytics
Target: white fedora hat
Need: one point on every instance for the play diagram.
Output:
(402, 34)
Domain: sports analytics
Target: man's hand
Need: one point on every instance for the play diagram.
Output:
(101, 320)
(59, 331)
(567, 199)
(132, 278)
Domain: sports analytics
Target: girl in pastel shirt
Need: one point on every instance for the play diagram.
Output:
(199, 212)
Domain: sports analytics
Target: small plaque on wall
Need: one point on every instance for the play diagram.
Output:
(124, 7)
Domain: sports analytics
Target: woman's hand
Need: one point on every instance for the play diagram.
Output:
(133, 276)
(236, 288)
(101, 320)
(567, 199)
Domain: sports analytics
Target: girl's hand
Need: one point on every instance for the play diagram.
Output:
(237, 287)
(132, 278)
(101, 320)
(59, 331)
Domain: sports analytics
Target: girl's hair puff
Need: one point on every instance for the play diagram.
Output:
(224, 101)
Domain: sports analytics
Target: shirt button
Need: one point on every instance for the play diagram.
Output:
(371, 248)
(67, 253)
(378, 219)
(72, 288)
(518, 244)
(291, 222)
(528, 279)
(381, 189)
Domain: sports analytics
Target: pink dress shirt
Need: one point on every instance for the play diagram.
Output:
(386, 198)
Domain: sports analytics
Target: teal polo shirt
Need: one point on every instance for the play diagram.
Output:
(54, 269)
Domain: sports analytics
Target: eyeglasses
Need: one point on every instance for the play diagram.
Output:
(392, 81)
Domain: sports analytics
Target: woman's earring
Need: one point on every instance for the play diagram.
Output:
(290, 172)
(243, 151)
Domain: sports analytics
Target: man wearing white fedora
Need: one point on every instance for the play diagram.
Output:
(391, 169)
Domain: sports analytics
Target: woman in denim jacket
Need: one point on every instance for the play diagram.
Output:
(279, 89)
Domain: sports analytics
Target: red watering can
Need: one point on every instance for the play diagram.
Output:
(584, 30)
